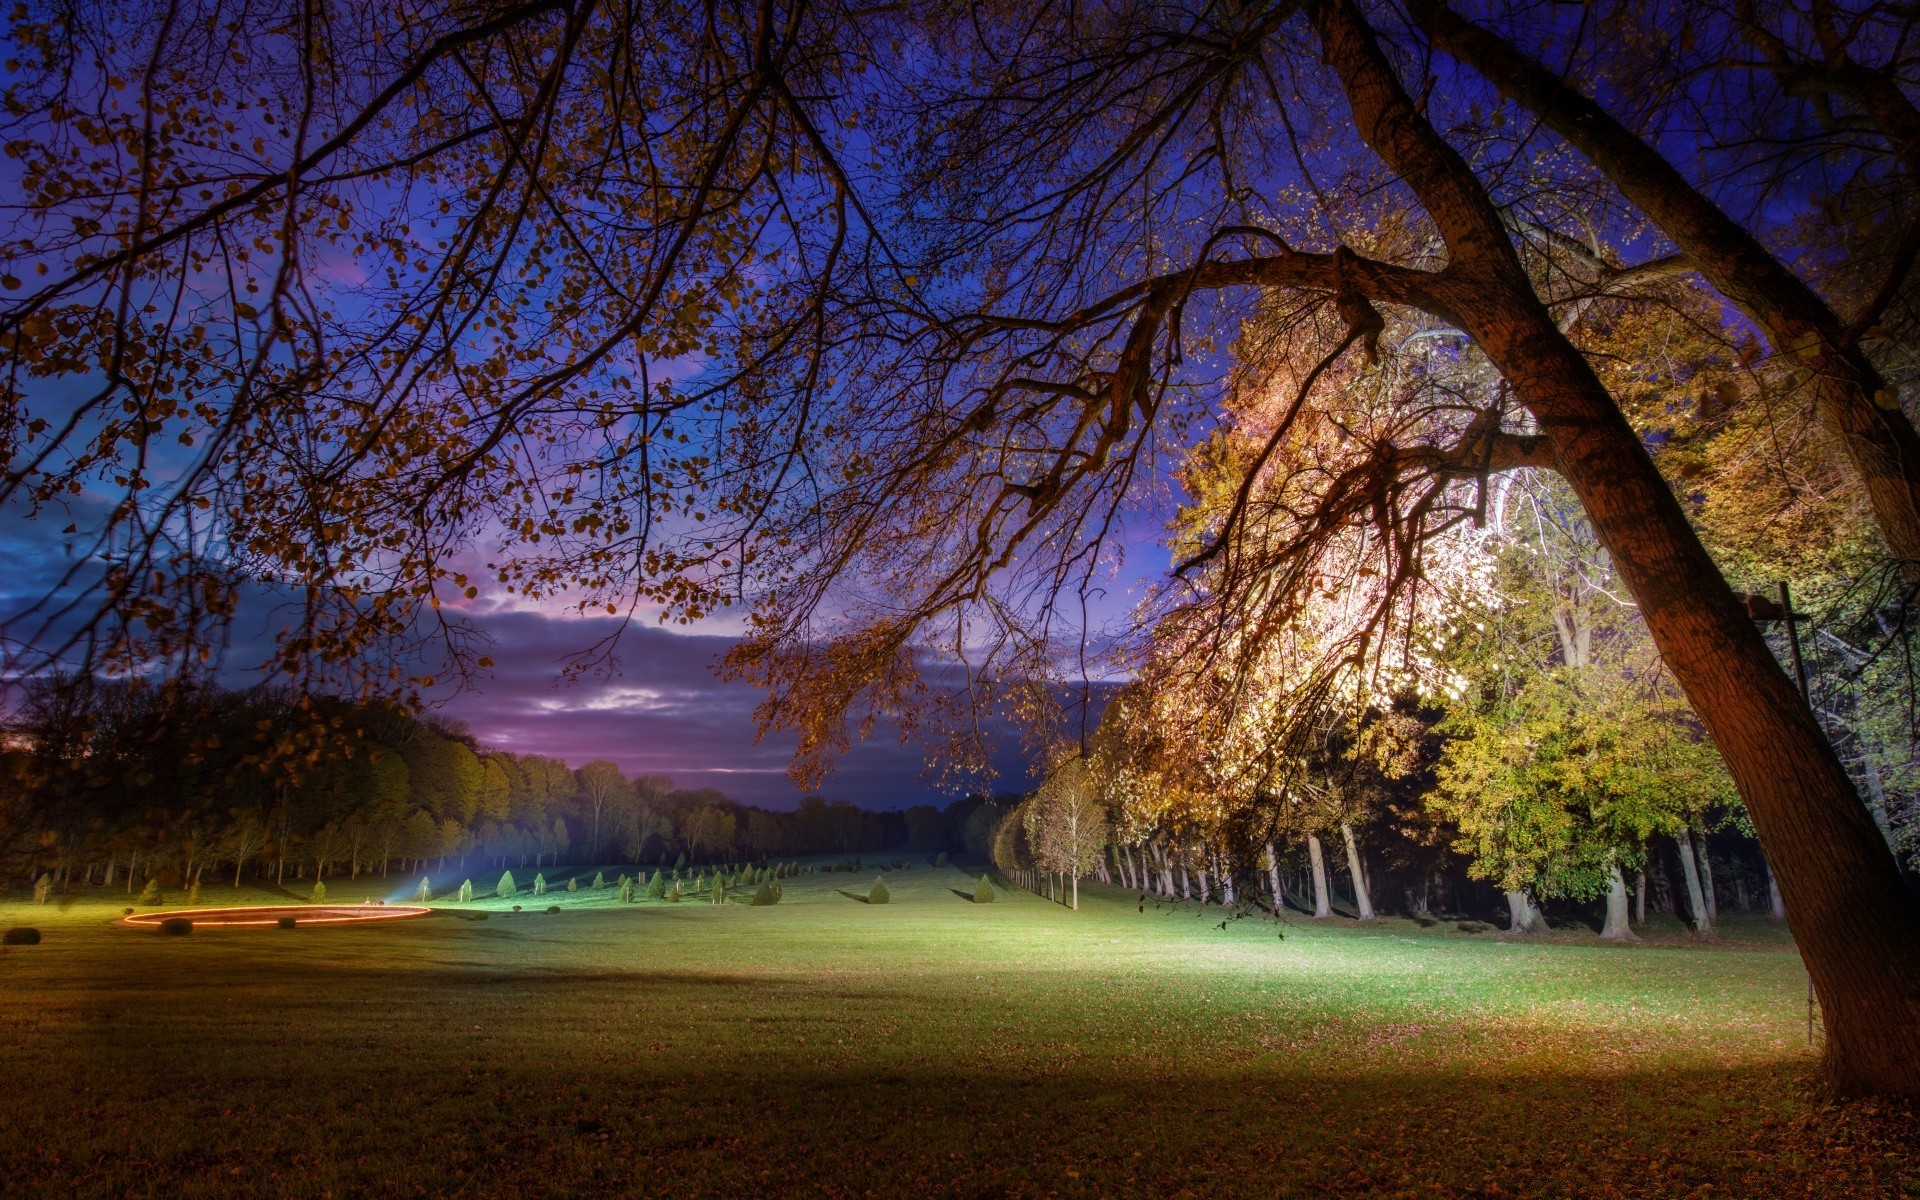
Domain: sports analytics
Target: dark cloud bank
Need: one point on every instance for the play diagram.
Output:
(665, 712)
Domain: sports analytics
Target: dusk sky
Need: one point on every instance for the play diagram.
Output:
(662, 710)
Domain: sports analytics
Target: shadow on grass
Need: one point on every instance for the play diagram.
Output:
(853, 896)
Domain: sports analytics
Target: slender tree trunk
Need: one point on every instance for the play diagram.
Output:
(1273, 879)
(1640, 897)
(1776, 907)
(1706, 877)
(1322, 904)
(1617, 928)
(1362, 897)
(1186, 883)
(1206, 891)
(1857, 924)
(1701, 919)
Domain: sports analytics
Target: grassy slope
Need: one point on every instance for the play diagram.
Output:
(925, 1047)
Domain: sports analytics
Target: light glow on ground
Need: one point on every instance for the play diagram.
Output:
(318, 914)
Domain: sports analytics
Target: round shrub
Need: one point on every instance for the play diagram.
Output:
(553, 908)
(20, 935)
(175, 926)
(286, 922)
(126, 912)
(516, 908)
(877, 894)
(983, 891)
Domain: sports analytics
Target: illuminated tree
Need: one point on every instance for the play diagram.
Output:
(933, 392)
(1066, 822)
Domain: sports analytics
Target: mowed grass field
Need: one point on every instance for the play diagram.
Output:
(927, 1047)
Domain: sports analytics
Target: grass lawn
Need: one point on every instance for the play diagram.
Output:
(927, 1047)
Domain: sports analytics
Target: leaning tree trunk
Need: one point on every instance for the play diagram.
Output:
(1273, 880)
(1705, 859)
(1852, 401)
(1362, 900)
(1696, 899)
(1322, 907)
(1857, 924)
(1617, 928)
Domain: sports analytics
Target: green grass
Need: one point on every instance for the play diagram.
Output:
(930, 1046)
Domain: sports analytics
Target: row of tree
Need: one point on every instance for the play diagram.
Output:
(114, 783)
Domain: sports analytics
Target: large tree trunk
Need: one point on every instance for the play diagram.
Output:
(1616, 928)
(1857, 924)
(1696, 899)
(1523, 915)
(1854, 404)
(1362, 899)
(1322, 906)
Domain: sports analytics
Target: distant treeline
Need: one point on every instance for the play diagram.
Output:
(111, 783)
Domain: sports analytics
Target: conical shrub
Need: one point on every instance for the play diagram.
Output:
(319, 893)
(150, 894)
(507, 889)
(424, 892)
(466, 891)
(539, 884)
(599, 881)
(573, 885)
(657, 887)
(983, 891)
(878, 894)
